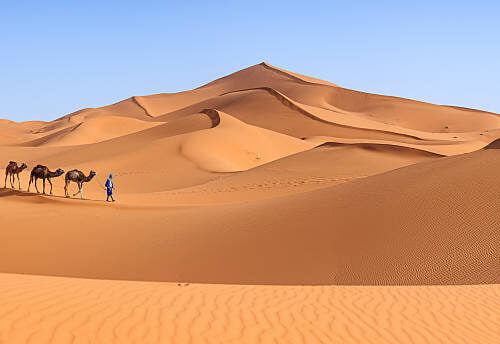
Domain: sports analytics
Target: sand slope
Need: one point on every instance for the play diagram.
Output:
(235, 146)
(64, 310)
(95, 129)
(391, 228)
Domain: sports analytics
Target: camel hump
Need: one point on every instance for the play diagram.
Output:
(12, 162)
(39, 166)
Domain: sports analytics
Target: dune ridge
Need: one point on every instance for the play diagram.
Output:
(93, 130)
(137, 99)
(297, 77)
(300, 108)
(449, 144)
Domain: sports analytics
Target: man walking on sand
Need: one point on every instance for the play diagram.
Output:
(109, 188)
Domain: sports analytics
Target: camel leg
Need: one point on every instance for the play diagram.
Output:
(81, 190)
(29, 184)
(36, 187)
(18, 181)
(44, 186)
(66, 188)
(50, 185)
(12, 180)
(5, 184)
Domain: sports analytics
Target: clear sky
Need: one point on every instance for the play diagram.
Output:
(60, 56)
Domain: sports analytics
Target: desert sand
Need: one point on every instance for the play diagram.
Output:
(65, 310)
(265, 206)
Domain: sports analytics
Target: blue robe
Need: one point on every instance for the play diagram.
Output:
(109, 187)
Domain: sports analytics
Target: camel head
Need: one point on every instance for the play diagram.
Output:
(59, 172)
(89, 178)
(23, 166)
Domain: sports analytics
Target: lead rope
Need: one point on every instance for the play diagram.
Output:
(100, 182)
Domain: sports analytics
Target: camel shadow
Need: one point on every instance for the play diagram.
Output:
(7, 192)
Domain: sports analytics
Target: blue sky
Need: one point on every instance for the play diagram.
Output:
(60, 56)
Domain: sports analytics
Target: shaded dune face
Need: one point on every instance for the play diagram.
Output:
(263, 176)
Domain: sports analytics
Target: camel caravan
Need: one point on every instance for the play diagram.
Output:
(42, 172)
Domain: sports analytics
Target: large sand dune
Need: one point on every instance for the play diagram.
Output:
(391, 228)
(262, 177)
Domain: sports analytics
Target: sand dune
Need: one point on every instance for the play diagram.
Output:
(436, 147)
(266, 182)
(295, 105)
(64, 310)
(313, 169)
(305, 238)
(16, 132)
(93, 130)
(235, 146)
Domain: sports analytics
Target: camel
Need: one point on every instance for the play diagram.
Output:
(79, 178)
(42, 172)
(13, 170)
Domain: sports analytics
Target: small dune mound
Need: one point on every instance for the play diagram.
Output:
(18, 132)
(235, 146)
(94, 129)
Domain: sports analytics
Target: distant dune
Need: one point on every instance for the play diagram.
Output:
(312, 213)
